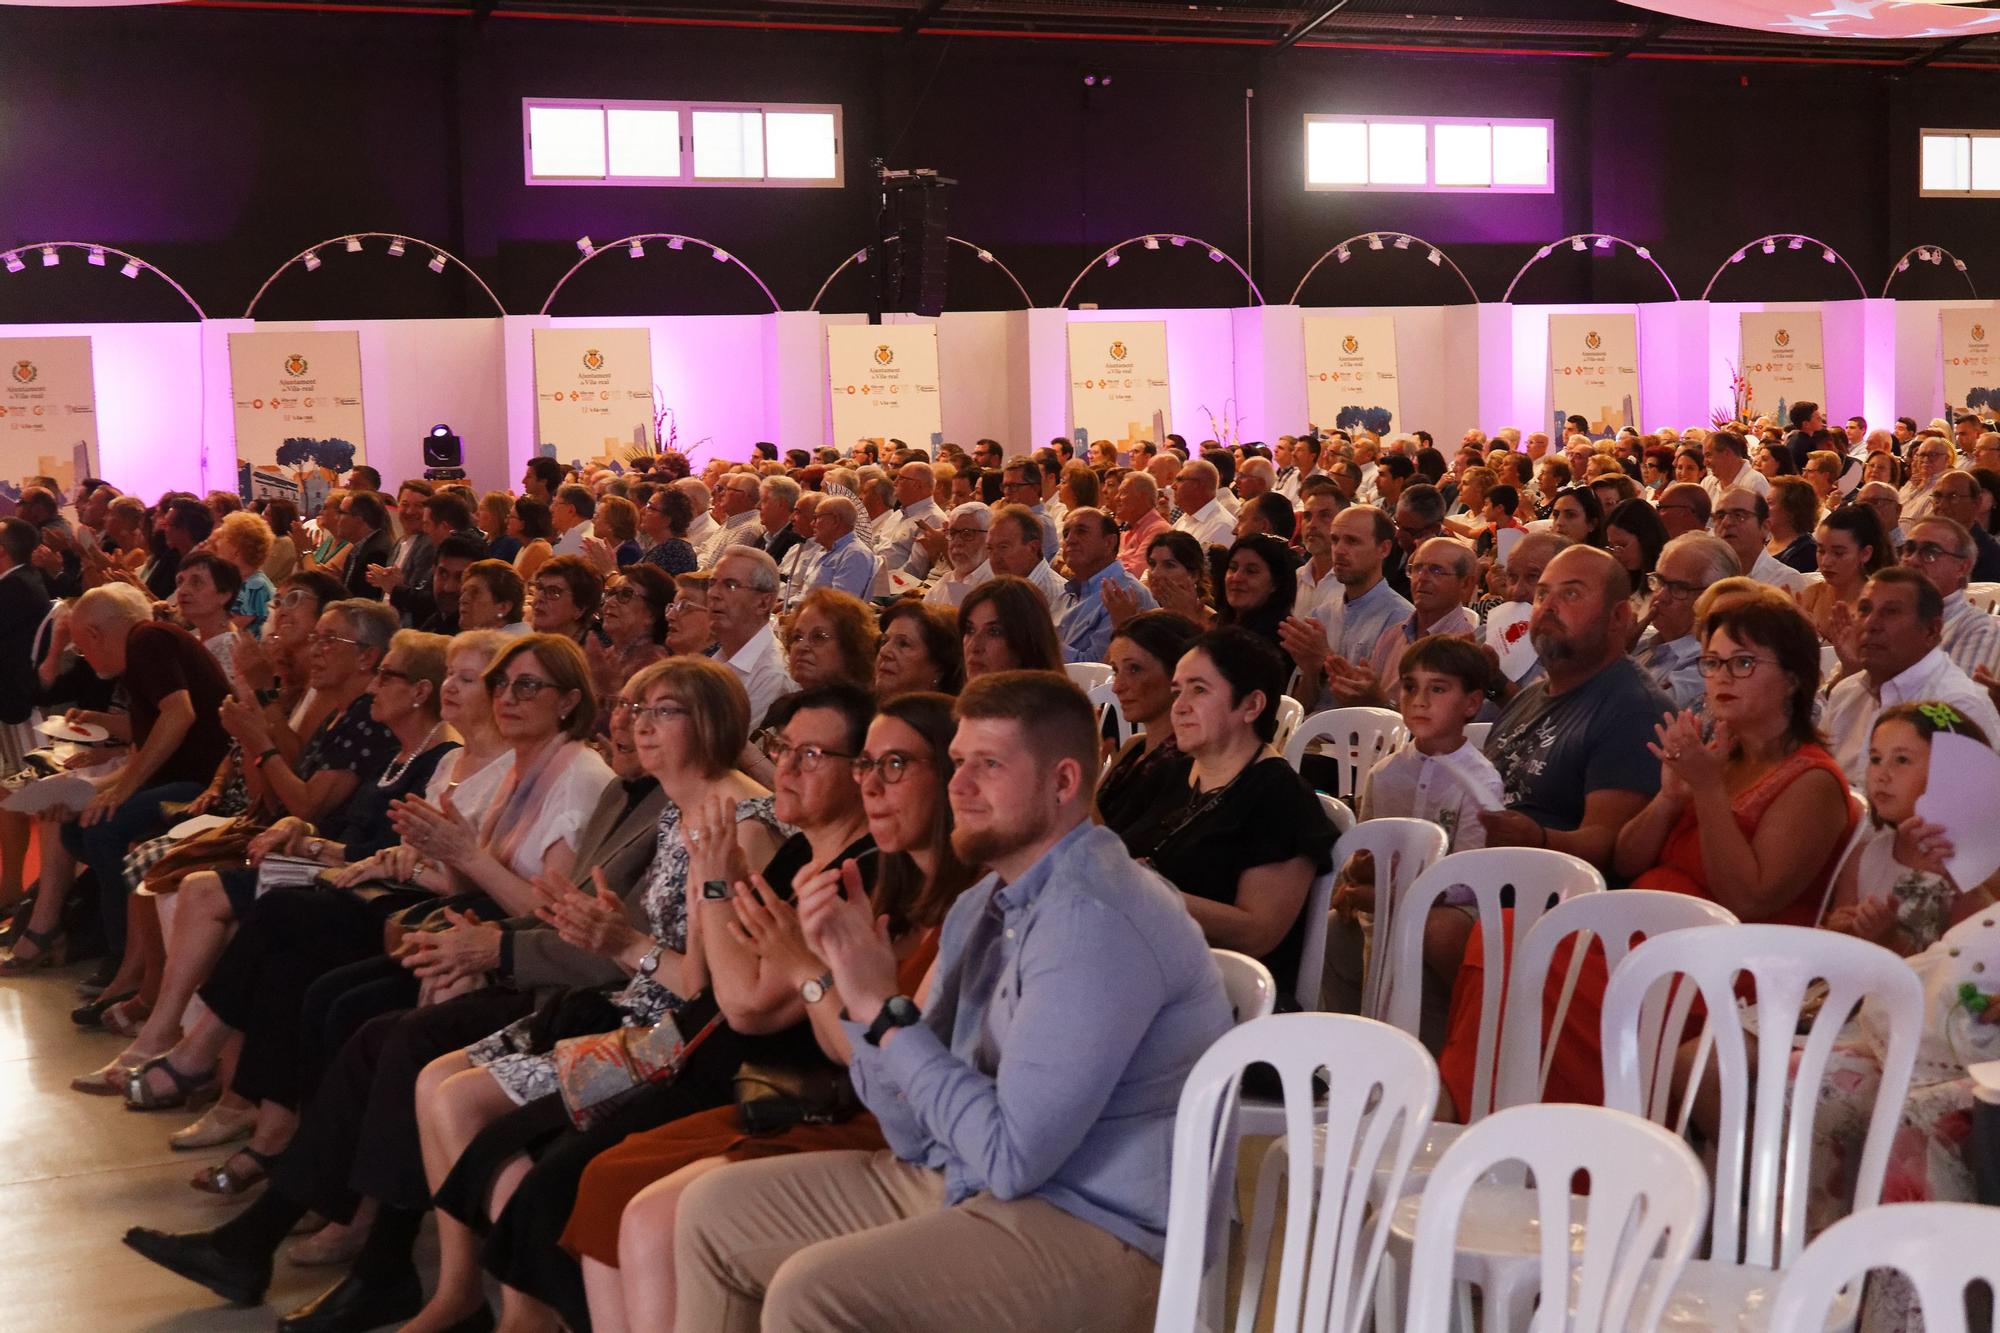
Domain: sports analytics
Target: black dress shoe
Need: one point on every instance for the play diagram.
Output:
(356, 1303)
(92, 1015)
(193, 1255)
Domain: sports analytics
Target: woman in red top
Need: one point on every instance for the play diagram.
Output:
(1726, 824)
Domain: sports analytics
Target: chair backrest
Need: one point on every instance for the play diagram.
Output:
(1985, 596)
(1942, 1248)
(1290, 713)
(1857, 805)
(1529, 880)
(1765, 1140)
(1252, 991)
(1617, 922)
(1088, 675)
(1380, 1089)
(1477, 732)
(1104, 701)
(1403, 849)
(1353, 737)
(1319, 900)
(1647, 1196)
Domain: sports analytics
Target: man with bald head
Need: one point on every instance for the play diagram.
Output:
(1257, 476)
(1137, 509)
(1684, 507)
(916, 510)
(1202, 517)
(1571, 748)
(843, 562)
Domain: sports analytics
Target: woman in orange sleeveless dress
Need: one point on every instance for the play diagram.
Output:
(1753, 819)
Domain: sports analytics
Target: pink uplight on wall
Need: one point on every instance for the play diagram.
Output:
(1892, 19)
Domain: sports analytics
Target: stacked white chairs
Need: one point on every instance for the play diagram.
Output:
(1380, 1086)
(1353, 737)
(1939, 1248)
(1647, 1197)
(1088, 675)
(1248, 983)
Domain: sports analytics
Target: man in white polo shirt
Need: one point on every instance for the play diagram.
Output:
(1202, 517)
(1743, 520)
(740, 597)
(1726, 455)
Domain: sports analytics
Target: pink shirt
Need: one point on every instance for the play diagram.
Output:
(1132, 546)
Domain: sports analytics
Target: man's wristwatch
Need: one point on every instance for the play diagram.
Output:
(649, 962)
(814, 989)
(899, 1011)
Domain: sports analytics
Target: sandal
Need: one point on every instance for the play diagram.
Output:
(186, 1090)
(227, 1180)
(109, 1080)
(218, 1125)
(51, 948)
(127, 1017)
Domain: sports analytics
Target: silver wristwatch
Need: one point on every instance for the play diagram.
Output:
(649, 961)
(814, 990)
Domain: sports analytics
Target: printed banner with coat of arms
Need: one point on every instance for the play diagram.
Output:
(48, 410)
(594, 393)
(1967, 349)
(1593, 372)
(298, 403)
(1351, 372)
(884, 381)
(1118, 381)
(1782, 362)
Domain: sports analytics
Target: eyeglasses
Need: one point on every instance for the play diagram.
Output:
(816, 638)
(390, 673)
(1746, 515)
(889, 766)
(967, 533)
(297, 597)
(1686, 508)
(684, 607)
(1438, 571)
(1665, 587)
(624, 592)
(318, 640)
(661, 713)
(810, 757)
(522, 688)
(1928, 553)
(551, 592)
(731, 585)
(1739, 665)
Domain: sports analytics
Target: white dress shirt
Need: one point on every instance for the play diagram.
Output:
(1210, 525)
(744, 529)
(1749, 478)
(760, 665)
(571, 542)
(1315, 592)
(1852, 707)
(950, 590)
(1971, 636)
(900, 549)
(1051, 585)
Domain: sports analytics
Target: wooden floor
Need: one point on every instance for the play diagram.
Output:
(79, 1170)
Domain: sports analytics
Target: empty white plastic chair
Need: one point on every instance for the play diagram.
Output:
(1647, 1195)
(1380, 1088)
(1248, 984)
(1088, 675)
(1290, 713)
(1941, 1248)
(1353, 737)
(1106, 704)
(1765, 1137)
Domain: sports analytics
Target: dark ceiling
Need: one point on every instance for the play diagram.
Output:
(1588, 29)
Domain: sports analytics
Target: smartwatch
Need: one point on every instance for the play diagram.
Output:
(649, 962)
(899, 1011)
(814, 990)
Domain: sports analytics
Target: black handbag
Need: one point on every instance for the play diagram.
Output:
(774, 1098)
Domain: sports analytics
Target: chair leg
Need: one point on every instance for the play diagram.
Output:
(1508, 1295)
(1258, 1232)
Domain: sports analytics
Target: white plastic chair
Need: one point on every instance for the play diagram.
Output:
(1290, 713)
(1403, 849)
(1765, 1139)
(1319, 901)
(1985, 596)
(1380, 1088)
(1477, 732)
(1105, 702)
(1088, 675)
(1341, 813)
(1942, 1248)
(1648, 1194)
(1354, 737)
(1248, 983)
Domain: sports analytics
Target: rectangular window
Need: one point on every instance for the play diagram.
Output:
(571, 142)
(1960, 164)
(1417, 155)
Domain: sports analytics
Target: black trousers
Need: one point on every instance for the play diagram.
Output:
(358, 1136)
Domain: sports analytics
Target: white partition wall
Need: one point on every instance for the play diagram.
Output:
(1201, 372)
(1919, 369)
(150, 403)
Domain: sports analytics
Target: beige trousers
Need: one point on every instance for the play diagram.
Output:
(862, 1241)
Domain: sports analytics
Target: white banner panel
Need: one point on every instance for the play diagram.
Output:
(298, 404)
(48, 410)
(594, 393)
(1782, 361)
(1351, 372)
(1594, 372)
(1968, 361)
(1118, 381)
(884, 379)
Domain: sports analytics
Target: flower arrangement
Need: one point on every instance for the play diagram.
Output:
(1739, 392)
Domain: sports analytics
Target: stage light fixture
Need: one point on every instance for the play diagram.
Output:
(984, 256)
(1578, 245)
(1958, 264)
(1341, 254)
(1152, 242)
(49, 257)
(1796, 243)
(1770, 247)
(1827, 255)
(311, 261)
(721, 256)
(1544, 252)
(438, 261)
(1402, 242)
(96, 256)
(1436, 257)
(1111, 260)
(1736, 258)
(1903, 264)
(1937, 256)
(14, 264)
(1178, 241)
(583, 244)
(1215, 256)
(1374, 242)
(396, 248)
(131, 269)
(354, 245)
(638, 250)
(1604, 242)
(1642, 252)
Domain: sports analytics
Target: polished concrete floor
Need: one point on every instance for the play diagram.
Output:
(79, 1170)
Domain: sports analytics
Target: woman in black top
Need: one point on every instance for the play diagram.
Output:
(1259, 586)
(1246, 836)
(1149, 771)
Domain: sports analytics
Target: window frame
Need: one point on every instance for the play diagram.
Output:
(1972, 135)
(687, 180)
(1430, 124)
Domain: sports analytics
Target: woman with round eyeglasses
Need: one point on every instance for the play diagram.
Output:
(830, 637)
(920, 650)
(567, 593)
(690, 624)
(690, 722)
(1149, 768)
(1884, 467)
(633, 631)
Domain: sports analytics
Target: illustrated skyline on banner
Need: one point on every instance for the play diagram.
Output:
(1605, 425)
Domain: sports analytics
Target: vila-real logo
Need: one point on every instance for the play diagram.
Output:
(1784, 338)
(1350, 344)
(295, 365)
(1979, 333)
(593, 359)
(24, 372)
(1117, 349)
(883, 355)
(1592, 341)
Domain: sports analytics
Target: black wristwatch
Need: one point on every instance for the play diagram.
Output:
(899, 1011)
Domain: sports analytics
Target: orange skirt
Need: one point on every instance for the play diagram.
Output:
(616, 1176)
